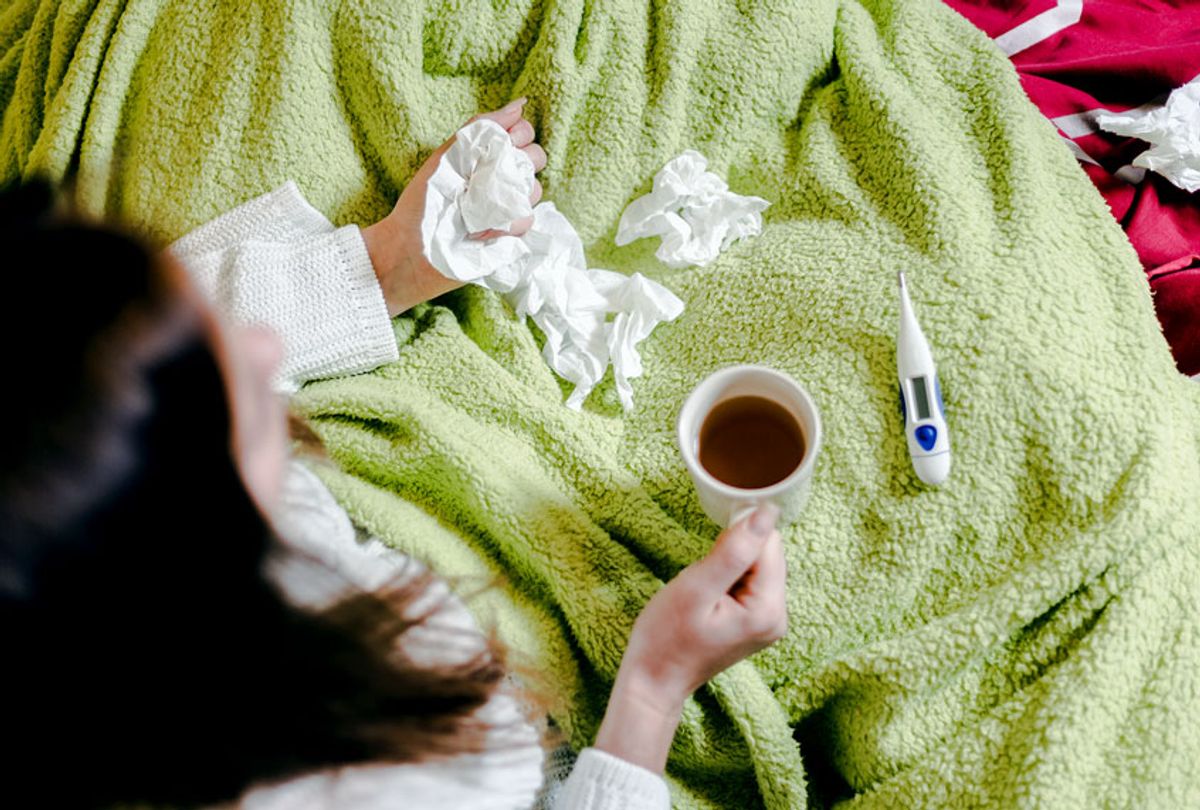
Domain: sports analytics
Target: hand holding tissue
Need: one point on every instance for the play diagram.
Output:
(693, 211)
(483, 182)
(498, 184)
(450, 198)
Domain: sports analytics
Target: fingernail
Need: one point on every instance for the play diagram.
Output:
(763, 520)
(514, 105)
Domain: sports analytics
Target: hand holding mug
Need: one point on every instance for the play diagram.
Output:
(713, 614)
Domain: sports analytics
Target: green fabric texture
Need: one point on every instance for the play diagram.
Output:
(1026, 635)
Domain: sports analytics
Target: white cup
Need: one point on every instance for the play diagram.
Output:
(727, 504)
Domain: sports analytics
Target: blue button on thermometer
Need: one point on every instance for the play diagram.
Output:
(921, 398)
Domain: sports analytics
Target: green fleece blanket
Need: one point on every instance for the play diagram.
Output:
(1026, 635)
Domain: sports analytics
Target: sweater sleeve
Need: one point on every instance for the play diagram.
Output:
(601, 781)
(278, 262)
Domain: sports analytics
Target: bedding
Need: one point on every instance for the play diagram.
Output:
(1027, 634)
(1077, 59)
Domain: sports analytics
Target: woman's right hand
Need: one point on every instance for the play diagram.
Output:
(714, 613)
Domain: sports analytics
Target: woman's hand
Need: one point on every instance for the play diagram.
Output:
(394, 243)
(714, 613)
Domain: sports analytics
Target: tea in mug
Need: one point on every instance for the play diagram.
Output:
(750, 442)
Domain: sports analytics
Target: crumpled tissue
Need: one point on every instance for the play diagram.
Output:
(1173, 132)
(483, 182)
(693, 211)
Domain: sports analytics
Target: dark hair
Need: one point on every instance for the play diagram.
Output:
(146, 657)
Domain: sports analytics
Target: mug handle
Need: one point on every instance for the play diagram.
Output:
(741, 511)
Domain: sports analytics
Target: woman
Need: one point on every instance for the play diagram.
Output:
(190, 618)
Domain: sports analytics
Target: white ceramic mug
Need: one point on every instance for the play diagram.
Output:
(727, 504)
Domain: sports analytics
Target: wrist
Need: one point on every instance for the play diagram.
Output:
(381, 247)
(640, 722)
(404, 276)
(655, 688)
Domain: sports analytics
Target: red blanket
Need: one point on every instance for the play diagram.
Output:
(1076, 58)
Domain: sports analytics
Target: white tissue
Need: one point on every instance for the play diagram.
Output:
(483, 182)
(693, 211)
(455, 190)
(1173, 132)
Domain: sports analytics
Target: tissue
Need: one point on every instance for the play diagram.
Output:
(1173, 132)
(693, 211)
(483, 182)
(458, 203)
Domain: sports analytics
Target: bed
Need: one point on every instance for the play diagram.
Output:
(1027, 634)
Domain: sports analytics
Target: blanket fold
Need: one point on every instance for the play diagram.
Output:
(1026, 635)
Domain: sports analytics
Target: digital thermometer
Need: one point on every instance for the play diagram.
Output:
(921, 398)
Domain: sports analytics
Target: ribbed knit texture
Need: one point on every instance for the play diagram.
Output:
(276, 261)
(1026, 635)
(604, 782)
(557, 769)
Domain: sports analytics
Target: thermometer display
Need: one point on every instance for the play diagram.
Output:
(921, 396)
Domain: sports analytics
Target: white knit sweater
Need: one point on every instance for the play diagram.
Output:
(277, 261)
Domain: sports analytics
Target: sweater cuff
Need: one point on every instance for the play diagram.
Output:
(601, 780)
(281, 215)
(353, 331)
(378, 342)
